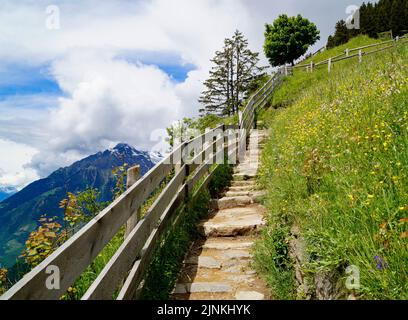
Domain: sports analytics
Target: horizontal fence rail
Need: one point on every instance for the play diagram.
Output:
(191, 166)
(348, 54)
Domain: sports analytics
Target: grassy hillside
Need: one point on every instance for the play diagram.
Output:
(353, 43)
(335, 167)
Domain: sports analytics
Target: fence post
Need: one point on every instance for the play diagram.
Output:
(329, 64)
(360, 56)
(311, 66)
(347, 52)
(133, 175)
(286, 70)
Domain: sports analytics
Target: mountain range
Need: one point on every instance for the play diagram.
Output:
(19, 213)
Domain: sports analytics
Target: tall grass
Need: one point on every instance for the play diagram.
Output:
(336, 167)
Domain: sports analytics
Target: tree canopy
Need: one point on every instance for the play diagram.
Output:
(288, 38)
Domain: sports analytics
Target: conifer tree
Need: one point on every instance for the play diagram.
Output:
(234, 69)
(397, 21)
(383, 16)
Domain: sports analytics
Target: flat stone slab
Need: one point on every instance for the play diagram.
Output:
(203, 262)
(227, 245)
(231, 202)
(197, 287)
(237, 254)
(237, 193)
(247, 225)
(242, 188)
(249, 295)
(243, 183)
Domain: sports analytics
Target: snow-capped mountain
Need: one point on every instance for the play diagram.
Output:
(20, 212)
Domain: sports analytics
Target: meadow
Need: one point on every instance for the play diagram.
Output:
(335, 168)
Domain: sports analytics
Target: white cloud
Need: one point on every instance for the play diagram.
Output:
(13, 158)
(107, 99)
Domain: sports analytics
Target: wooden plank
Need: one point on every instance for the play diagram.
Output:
(86, 244)
(345, 58)
(204, 168)
(371, 45)
(195, 163)
(139, 268)
(116, 269)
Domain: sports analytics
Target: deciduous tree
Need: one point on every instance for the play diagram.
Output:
(288, 38)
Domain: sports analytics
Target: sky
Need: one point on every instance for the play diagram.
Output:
(79, 76)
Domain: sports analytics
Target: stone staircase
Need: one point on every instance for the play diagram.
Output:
(218, 265)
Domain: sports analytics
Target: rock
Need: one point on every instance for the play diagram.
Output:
(234, 269)
(237, 193)
(239, 227)
(246, 183)
(227, 245)
(242, 188)
(203, 262)
(237, 254)
(249, 295)
(231, 202)
(196, 287)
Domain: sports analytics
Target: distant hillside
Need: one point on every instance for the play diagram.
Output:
(19, 213)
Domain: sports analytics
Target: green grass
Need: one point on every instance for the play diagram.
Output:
(335, 166)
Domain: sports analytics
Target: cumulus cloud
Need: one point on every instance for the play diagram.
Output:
(109, 94)
(107, 100)
(12, 163)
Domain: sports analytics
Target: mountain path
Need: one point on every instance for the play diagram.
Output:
(219, 266)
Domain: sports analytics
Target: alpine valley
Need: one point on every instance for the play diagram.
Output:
(19, 213)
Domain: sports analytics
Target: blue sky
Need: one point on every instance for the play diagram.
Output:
(85, 75)
(19, 79)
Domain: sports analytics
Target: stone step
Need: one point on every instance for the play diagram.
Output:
(246, 166)
(196, 287)
(239, 243)
(203, 262)
(244, 176)
(249, 295)
(258, 196)
(242, 193)
(243, 183)
(230, 202)
(242, 188)
(234, 222)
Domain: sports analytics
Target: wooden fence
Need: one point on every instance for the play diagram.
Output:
(359, 52)
(191, 164)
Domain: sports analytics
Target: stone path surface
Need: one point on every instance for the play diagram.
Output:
(219, 265)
